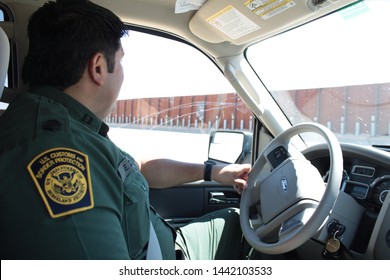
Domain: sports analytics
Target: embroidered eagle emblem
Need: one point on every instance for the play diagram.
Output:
(62, 178)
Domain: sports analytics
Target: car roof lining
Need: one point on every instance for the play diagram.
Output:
(195, 26)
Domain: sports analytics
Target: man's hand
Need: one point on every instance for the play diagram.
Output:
(235, 174)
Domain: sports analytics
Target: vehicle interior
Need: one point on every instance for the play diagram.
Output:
(319, 107)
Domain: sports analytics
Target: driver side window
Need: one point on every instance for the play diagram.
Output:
(172, 97)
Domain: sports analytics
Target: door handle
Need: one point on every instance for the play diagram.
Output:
(219, 197)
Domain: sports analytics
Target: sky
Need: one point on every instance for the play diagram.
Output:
(151, 71)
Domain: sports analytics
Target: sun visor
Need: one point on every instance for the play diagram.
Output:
(240, 21)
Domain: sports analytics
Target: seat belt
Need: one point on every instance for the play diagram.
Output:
(154, 250)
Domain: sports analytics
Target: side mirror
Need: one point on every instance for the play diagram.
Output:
(230, 146)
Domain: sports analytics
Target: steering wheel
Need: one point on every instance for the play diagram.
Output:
(287, 201)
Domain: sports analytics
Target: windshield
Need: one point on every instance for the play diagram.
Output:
(334, 71)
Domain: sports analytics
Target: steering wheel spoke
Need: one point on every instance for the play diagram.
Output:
(297, 221)
(290, 220)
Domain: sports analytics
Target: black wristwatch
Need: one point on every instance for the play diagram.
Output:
(208, 166)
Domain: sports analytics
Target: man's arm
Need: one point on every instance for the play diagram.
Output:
(164, 173)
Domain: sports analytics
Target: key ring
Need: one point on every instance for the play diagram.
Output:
(337, 237)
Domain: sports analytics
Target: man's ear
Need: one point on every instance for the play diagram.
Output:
(97, 68)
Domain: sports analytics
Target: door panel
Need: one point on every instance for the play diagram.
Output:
(182, 204)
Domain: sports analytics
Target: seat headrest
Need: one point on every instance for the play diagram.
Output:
(4, 59)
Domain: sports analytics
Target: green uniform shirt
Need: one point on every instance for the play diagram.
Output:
(67, 192)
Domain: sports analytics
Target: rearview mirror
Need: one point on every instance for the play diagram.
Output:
(230, 146)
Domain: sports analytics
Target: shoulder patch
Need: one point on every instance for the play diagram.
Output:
(62, 177)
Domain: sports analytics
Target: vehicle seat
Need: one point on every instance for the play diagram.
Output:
(4, 59)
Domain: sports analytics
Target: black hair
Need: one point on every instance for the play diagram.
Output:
(63, 36)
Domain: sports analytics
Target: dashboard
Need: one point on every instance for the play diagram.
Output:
(371, 193)
(366, 173)
(363, 201)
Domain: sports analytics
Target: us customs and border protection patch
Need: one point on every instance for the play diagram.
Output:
(62, 177)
